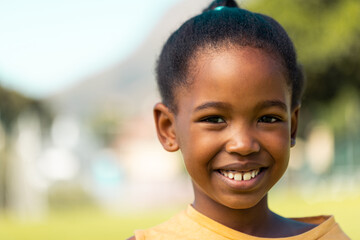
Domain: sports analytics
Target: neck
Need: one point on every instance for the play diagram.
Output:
(253, 221)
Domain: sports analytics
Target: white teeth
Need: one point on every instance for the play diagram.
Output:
(247, 176)
(240, 176)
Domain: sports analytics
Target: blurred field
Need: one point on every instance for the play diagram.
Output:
(88, 223)
(91, 223)
(345, 208)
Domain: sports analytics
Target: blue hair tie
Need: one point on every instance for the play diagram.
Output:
(219, 8)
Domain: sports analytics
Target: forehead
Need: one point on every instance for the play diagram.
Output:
(234, 74)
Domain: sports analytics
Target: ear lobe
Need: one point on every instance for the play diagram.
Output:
(165, 127)
(294, 125)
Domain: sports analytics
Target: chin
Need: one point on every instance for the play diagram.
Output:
(242, 206)
(242, 203)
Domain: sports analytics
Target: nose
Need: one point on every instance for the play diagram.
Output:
(243, 143)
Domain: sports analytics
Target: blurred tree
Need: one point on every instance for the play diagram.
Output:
(106, 125)
(12, 104)
(326, 34)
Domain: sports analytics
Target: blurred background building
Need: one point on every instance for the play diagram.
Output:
(92, 141)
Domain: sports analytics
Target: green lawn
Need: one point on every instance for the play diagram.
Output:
(346, 210)
(91, 224)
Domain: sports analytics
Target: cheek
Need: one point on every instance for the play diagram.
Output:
(195, 148)
(192, 140)
(278, 145)
(198, 149)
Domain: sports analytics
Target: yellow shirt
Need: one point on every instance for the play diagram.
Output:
(192, 225)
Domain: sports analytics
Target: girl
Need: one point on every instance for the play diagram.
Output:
(231, 87)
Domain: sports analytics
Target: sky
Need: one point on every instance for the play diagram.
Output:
(48, 45)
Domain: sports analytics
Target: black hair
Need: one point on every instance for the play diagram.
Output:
(223, 23)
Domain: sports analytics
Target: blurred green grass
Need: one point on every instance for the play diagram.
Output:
(91, 223)
(345, 208)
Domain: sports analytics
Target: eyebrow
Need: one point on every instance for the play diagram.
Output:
(261, 105)
(206, 105)
(272, 103)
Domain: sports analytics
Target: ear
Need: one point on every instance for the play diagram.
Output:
(165, 127)
(294, 124)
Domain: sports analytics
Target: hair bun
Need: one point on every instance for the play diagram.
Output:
(219, 3)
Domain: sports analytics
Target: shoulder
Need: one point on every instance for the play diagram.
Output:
(285, 227)
(325, 227)
(295, 227)
(131, 238)
(175, 228)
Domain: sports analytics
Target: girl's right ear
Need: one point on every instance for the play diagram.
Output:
(165, 127)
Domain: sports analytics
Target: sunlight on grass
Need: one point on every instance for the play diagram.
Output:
(91, 224)
(346, 209)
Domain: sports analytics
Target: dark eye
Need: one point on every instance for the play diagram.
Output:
(213, 119)
(269, 119)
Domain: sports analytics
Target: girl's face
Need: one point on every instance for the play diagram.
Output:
(234, 126)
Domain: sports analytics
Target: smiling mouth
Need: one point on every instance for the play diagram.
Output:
(240, 176)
